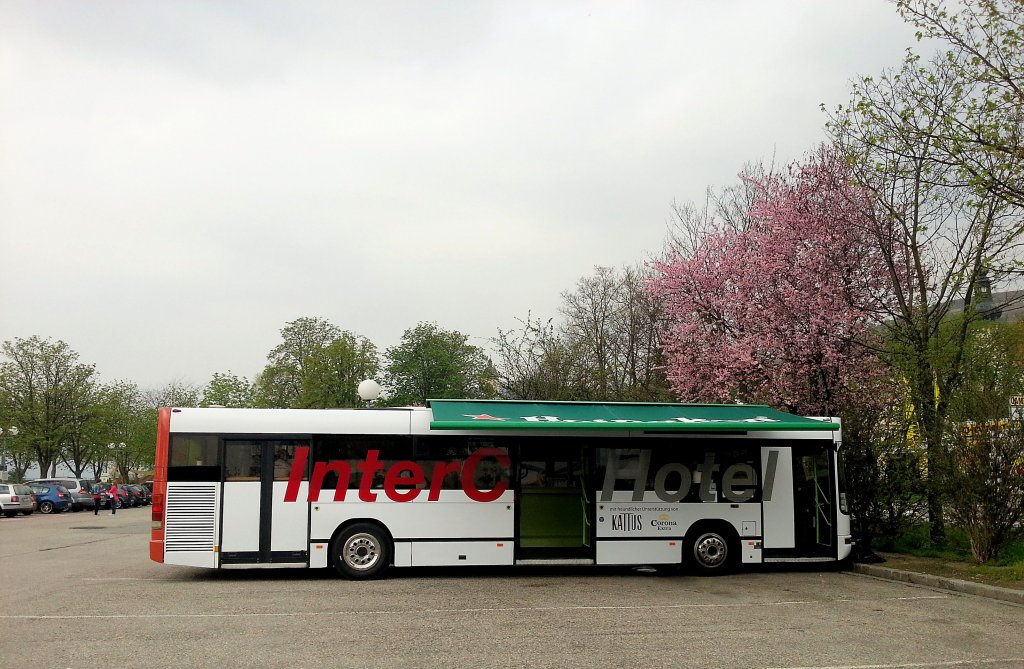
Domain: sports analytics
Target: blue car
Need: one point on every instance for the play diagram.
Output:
(51, 498)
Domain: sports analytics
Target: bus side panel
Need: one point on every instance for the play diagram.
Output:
(640, 552)
(777, 474)
(445, 553)
(291, 519)
(652, 518)
(241, 508)
(453, 516)
(191, 525)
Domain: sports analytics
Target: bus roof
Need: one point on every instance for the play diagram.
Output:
(527, 415)
(501, 415)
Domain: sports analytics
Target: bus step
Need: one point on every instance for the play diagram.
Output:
(556, 562)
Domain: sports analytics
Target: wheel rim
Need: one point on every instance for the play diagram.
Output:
(361, 551)
(46, 507)
(710, 550)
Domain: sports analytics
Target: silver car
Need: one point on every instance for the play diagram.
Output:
(80, 489)
(16, 498)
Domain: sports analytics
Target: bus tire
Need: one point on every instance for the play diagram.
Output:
(712, 549)
(361, 551)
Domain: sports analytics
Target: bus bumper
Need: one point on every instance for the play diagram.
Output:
(845, 547)
(156, 551)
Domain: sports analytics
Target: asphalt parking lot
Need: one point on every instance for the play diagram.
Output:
(80, 591)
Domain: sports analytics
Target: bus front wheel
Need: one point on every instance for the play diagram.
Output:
(712, 550)
(361, 551)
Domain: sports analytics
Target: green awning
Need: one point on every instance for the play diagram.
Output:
(530, 415)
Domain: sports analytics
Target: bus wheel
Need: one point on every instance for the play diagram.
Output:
(712, 551)
(361, 551)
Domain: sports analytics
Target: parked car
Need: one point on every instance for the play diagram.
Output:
(140, 494)
(135, 495)
(81, 491)
(130, 500)
(16, 498)
(51, 498)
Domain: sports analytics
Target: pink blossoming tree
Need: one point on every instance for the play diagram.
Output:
(779, 312)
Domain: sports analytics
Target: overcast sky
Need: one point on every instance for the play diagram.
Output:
(180, 179)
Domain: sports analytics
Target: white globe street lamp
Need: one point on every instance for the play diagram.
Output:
(368, 390)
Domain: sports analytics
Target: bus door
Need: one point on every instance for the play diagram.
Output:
(555, 507)
(259, 527)
(814, 501)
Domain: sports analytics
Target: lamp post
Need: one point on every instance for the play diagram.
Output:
(12, 431)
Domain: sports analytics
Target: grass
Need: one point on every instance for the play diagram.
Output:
(913, 552)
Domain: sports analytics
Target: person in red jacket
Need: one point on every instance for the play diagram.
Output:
(114, 499)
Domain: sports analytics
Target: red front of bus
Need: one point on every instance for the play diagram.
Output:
(163, 435)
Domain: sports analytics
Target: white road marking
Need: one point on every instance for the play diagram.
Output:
(912, 665)
(652, 607)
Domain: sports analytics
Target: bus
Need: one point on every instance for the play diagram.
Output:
(498, 482)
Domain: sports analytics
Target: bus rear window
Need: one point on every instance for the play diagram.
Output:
(193, 458)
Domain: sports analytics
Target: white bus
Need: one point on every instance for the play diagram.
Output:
(463, 482)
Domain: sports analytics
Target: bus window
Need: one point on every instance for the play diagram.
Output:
(352, 450)
(242, 460)
(284, 456)
(701, 469)
(437, 450)
(841, 471)
(193, 458)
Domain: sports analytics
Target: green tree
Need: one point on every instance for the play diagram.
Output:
(228, 390)
(79, 445)
(176, 393)
(432, 363)
(332, 374)
(124, 435)
(983, 131)
(281, 382)
(883, 471)
(993, 372)
(314, 365)
(45, 391)
(15, 453)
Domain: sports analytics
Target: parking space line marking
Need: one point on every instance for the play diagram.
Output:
(651, 607)
(911, 665)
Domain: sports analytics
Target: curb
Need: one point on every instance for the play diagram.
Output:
(942, 583)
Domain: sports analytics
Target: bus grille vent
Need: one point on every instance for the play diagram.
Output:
(191, 518)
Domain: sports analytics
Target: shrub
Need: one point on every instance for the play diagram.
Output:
(985, 484)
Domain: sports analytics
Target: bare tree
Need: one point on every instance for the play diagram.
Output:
(940, 229)
(607, 346)
(727, 208)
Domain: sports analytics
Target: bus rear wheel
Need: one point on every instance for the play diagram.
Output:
(712, 551)
(361, 551)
